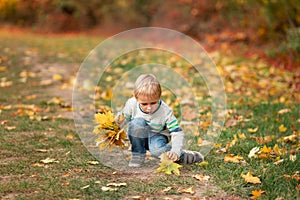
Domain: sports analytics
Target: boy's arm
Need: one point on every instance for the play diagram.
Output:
(177, 135)
(177, 139)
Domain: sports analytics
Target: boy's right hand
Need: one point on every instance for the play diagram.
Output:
(172, 155)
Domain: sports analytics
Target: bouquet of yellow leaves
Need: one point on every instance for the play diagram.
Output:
(110, 134)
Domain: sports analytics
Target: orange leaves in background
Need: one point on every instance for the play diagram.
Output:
(110, 134)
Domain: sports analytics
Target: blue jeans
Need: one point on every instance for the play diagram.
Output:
(142, 138)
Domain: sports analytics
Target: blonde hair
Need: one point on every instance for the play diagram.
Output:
(147, 85)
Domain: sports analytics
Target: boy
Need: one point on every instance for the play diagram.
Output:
(152, 123)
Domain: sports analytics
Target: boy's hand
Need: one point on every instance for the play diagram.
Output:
(173, 156)
(120, 119)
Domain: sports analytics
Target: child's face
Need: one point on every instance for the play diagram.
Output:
(148, 105)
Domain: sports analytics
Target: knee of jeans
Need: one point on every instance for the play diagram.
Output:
(137, 126)
(156, 150)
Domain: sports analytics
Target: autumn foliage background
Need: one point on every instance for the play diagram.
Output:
(269, 27)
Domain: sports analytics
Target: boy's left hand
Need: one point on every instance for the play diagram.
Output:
(173, 156)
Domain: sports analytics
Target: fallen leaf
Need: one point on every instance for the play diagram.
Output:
(166, 190)
(282, 128)
(4, 122)
(253, 152)
(257, 193)
(38, 165)
(70, 136)
(168, 166)
(233, 158)
(278, 150)
(231, 143)
(65, 184)
(278, 162)
(107, 95)
(136, 197)
(117, 184)
(285, 110)
(3, 68)
(46, 82)
(204, 163)
(250, 179)
(84, 187)
(217, 145)
(4, 83)
(265, 149)
(42, 150)
(93, 162)
(293, 157)
(189, 190)
(29, 97)
(253, 130)
(201, 177)
(49, 160)
(242, 136)
(28, 74)
(110, 189)
(291, 138)
(57, 77)
(263, 140)
(9, 128)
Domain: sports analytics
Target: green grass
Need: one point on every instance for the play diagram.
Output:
(22, 148)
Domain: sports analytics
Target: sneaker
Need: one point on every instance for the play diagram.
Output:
(136, 161)
(191, 157)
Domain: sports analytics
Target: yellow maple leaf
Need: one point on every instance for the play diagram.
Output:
(168, 166)
(217, 145)
(265, 149)
(257, 193)
(282, 128)
(105, 120)
(233, 158)
(278, 150)
(249, 178)
(253, 130)
(242, 136)
(265, 152)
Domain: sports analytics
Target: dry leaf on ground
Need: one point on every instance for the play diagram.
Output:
(257, 193)
(249, 178)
